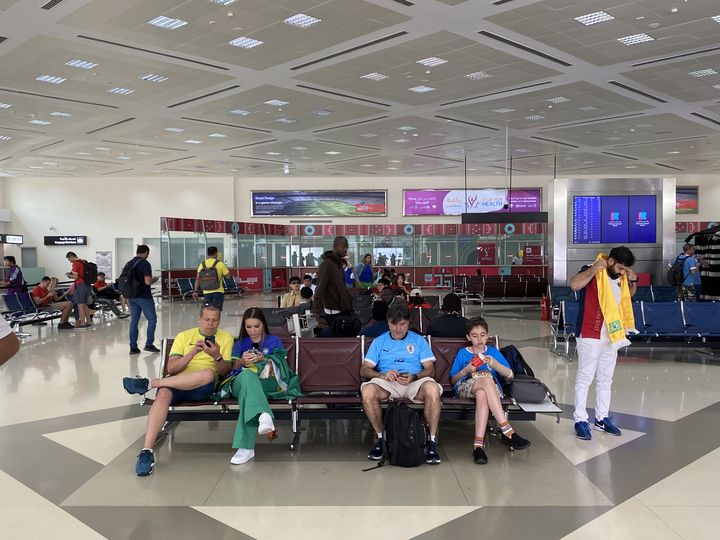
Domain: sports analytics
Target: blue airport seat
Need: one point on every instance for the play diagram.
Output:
(643, 294)
(663, 319)
(702, 319)
(664, 294)
(561, 294)
(186, 286)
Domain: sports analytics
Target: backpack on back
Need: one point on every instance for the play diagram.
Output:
(405, 436)
(346, 326)
(127, 282)
(676, 275)
(209, 279)
(90, 272)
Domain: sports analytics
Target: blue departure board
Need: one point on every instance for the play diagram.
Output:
(586, 219)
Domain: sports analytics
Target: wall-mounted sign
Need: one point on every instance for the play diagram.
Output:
(452, 202)
(66, 240)
(11, 238)
(319, 203)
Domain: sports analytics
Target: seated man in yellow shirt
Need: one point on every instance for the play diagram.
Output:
(198, 359)
(211, 283)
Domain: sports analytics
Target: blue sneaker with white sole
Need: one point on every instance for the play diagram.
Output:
(145, 463)
(607, 426)
(582, 431)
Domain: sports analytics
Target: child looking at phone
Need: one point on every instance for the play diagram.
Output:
(475, 374)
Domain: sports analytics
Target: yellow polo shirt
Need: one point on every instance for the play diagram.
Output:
(185, 341)
(220, 268)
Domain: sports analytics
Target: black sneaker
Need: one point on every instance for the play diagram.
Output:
(136, 385)
(479, 456)
(151, 348)
(65, 326)
(145, 463)
(432, 457)
(134, 350)
(516, 442)
(377, 451)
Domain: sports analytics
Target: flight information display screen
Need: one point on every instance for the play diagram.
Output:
(586, 219)
(614, 219)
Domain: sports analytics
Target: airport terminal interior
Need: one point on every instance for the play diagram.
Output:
(172, 124)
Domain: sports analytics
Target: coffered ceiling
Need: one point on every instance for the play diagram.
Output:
(359, 87)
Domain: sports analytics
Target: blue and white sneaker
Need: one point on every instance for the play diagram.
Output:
(607, 426)
(582, 431)
(145, 463)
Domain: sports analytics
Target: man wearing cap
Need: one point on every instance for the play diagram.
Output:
(416, 300)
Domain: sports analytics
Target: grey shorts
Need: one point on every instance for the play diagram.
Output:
(400, 391)
(465, 388)
(82, 293)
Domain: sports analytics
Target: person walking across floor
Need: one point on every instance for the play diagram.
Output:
(142, 303)
(209, 279)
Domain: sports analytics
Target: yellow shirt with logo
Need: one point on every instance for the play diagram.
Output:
(185, 341)
(220, 268)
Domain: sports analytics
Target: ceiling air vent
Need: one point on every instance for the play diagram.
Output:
(522, 47)
(636, 91)
(51, 4)
(405, 2)
(351, 49)
(707, 118)
(342, 95)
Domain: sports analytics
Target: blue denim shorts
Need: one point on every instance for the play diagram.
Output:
(196, 394)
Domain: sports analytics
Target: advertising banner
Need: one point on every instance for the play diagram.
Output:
(445, 202)
(318, 203)
(486, 253)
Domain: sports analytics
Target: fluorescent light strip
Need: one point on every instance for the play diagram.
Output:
(276, 103)
(559, 99)
(432, 61)
(245, 42)
(222, 2)
(193, 141)
(594, 18)
(5, 105)
(535, 117)
(635, 39)
(174, 130)
(703, 73)
(286, 120)
(478, 76)
(375, 76)
(503, 110)
(151, 77)
(301, 20)
(716, 18)
(217, 135)
(240, 112)
(5, 137)
(50, 79)
(61, 114)
(421, 89)
(40, 122)
(119, 91)
(166, 23)
(82, 64)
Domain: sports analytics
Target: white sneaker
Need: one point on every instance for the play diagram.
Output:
(243, 455)
(265, 424)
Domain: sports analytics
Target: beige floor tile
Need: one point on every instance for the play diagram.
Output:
(695, 522)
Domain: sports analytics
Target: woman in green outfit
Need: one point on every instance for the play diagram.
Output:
(260, 371)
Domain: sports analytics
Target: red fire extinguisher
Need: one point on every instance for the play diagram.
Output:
(544, 308)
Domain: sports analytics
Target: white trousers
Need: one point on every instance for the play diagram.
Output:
(596, 359)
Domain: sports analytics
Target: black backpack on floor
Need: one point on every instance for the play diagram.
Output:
(405, 436)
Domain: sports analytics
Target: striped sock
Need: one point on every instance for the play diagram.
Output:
(507, 429)
(478, 442)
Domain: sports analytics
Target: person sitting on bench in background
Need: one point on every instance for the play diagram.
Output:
(198, 358)
(106, 295)
(292, 298)
(258, 374)
(306, 297)
(46, 298)
(451, 323)
(475, 374)
(400, 365)
(379, 321)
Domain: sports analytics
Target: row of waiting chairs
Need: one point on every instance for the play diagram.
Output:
(20, 309)
(656, 322)
(651, 293)
(186, 286)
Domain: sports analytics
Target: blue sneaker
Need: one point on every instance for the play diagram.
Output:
(582, 431)
(607, 426)
(145, 463)
(136, 385)
(432, 456)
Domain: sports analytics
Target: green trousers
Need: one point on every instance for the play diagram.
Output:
(250, 391)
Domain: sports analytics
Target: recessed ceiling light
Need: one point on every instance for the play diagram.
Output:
(286, 120)
(642, 125)
(152, 77)
(635, 39)
(478, 76)
(394, 161)
(193, 141)
(5, 137)
(535, 117)
(143, 153)
(375, 76)
(673, 152)
(240, 112)
(716, 86)
(82, 64)
(587, 108)
(369, 135)
(49, 163)
(392, 168)
(119, 91)
(502, 110)
(276, 103)
(245, 42)
(61, 114)
(402, 140)
(50, 79)
(102, 149)
(631, 166)
(34, 167)
(272, 153)
(703, 73)
(323, 112)
(167, 23)
(594, 18)
(174, 130)
(367, 165)
(407, 128)
(301, 20)
(421, 89)
(83, 153)
(124, 157)
(559, 99)
(716, 18)
(5, 105)
(223, 2)
(432, 61)
(217, 135)
(333, 153)
(40, 122)
(299, 148)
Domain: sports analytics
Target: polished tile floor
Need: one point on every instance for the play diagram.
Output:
(69, 436)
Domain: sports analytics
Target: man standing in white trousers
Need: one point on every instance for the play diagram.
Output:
(604, 318)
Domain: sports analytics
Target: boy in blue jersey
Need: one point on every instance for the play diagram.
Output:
(400, 365)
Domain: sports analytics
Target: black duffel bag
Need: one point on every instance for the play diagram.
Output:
(526, 389)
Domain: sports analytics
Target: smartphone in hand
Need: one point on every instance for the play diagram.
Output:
(209, 340)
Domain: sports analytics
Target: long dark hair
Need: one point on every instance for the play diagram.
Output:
(253, 313)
